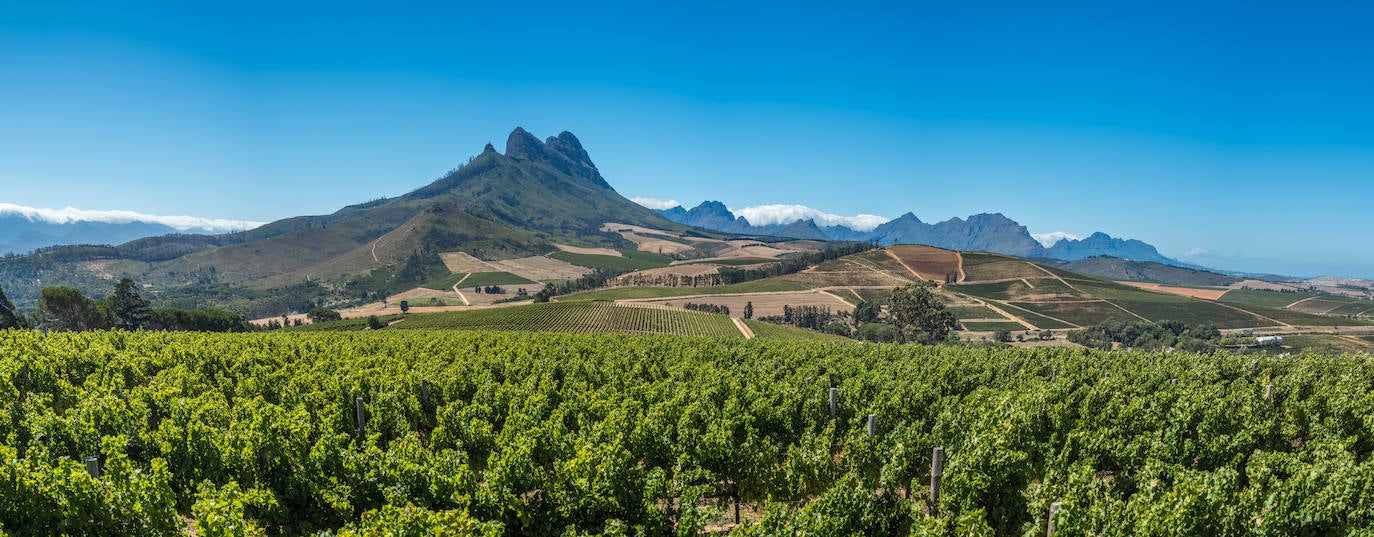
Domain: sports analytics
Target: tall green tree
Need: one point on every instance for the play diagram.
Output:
(64, 309)
(919, 315)
(8, 319)
(131, 310)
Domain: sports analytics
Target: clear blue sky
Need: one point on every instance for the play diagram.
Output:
(1244, 129)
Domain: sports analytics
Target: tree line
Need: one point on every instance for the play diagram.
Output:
(66, 309)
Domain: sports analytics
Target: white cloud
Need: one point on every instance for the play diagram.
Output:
(1052, 238)
(1196, 252)
(654, 203)
(767, 215)
(180, 223)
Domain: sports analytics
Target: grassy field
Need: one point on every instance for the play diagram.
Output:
(476, 279)
(586, 317)
(1298, 318)
(770, 331)
(1019, 289)
(1079, 313)
(982, 266)
(1034, 318)
(974, 312)
(1265, 299)
(645, 256)
(770, 285)
(613, 263)
(1326, 344)
(991, 326)
(875, 295)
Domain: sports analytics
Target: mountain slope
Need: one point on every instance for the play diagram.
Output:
(497, 206)
(1142, 271)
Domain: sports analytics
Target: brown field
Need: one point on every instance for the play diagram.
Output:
(539, 268)
(533, 268)
(982, 267)
(643, 240)
(462, 263)
(590, 251)
(929, 262)
(1205, 294)
(765, 304)
(640, 236)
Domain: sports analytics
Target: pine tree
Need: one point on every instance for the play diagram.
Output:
(131, 311)
(8, 319)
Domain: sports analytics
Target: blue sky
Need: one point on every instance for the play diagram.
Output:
(1242, 133)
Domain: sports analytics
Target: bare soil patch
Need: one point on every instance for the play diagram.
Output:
(1205, 294)
(589, 251)
(540, 268)
(929, 262)
(461, 262)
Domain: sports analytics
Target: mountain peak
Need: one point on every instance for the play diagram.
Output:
(488, 149)
(523, 145)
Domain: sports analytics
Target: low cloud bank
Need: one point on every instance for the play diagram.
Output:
(768, 215)
(655, 203)
(72, 215)
(1052, 238)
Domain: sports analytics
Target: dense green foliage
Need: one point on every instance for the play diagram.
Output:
(918, 315)
(8, 317)
(510, 434)
(1148, 336)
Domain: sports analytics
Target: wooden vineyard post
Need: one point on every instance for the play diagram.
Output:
(92, 466)
(360, 414)
(834, 392)
(937, 469)
(424, 392)
(1054, 511)
(872, 425)
(1268, 396)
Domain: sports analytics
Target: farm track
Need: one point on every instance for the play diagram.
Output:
(460, 293)
(908, 267)
(743, 328)
(1290, 306)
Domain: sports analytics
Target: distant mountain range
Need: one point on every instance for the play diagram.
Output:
(25, 229)
(981, 232)
(23, 235)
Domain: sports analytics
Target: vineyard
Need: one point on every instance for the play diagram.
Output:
(581, 317)
(425, 432)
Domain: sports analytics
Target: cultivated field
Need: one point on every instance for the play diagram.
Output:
(929, 262)
(451, 433)
(1195, 292)
(584, 317)
(591, 251)
(765, 304)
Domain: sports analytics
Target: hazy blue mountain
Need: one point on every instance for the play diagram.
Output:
(20, 235)
(981, 232)
(1102, 244)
